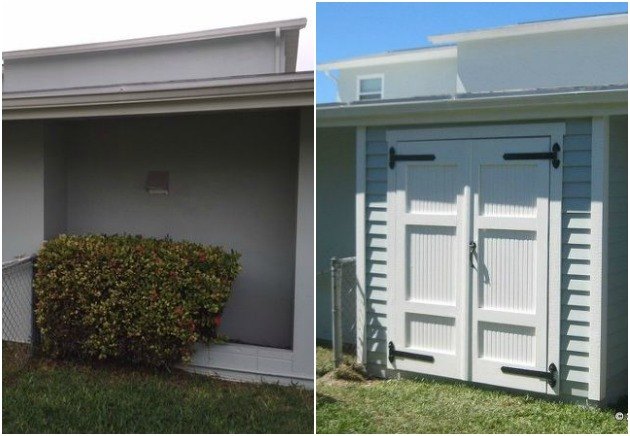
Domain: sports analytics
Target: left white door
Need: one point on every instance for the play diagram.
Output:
(430, 204)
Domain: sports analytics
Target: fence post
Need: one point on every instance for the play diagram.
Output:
(335, 275)
(35, 337)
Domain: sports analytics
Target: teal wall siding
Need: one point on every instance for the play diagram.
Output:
(617, 335)
(575, 292)
(376, 249)
(575, 255)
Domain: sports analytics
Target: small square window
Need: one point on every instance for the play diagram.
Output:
(371, 88)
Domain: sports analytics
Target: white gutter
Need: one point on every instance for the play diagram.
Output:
(119, 90)
(334, 79)
(476, 109)
(277, 58)
(249, 29)
(276, 90)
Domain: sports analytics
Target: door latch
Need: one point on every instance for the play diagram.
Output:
(472, 247)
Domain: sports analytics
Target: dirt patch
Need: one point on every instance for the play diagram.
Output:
(351, 372)
(15, 357)
(346, 374)
(330, 379)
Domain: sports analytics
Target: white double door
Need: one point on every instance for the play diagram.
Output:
(469, 260)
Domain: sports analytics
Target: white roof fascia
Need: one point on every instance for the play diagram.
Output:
(479, 109)
(533, 28)
(424, 54)
(250, 29)
(183, 85)
(276, 90)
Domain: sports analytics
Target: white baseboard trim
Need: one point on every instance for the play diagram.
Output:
(247, 363)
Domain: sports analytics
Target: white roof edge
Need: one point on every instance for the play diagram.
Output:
(396, 57)
(255, 92)
(533, 28)
(248, 29)
(576, 104)
(121, 89)
(616, 93)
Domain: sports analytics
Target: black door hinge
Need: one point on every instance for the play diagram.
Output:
(551, 375)
(393, 157)
(393, 353)
(552, 155)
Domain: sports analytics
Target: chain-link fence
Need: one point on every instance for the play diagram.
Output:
(343, 285)
(17, 311)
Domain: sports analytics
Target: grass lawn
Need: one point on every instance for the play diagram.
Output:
(52, 397)
(421, 406)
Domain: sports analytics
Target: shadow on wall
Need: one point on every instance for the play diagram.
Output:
(335, 235)
(232, 182)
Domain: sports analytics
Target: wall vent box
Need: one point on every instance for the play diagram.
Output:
(157, 182)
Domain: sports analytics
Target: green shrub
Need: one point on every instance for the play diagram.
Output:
(130, 298)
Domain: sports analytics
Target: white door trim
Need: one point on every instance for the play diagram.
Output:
(361, 297)
(599, 267)
(554, 274)
(475, 132)
(391, 250)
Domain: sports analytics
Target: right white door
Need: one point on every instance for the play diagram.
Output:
(508, 259)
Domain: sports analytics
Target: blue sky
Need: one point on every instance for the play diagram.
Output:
(354, 29)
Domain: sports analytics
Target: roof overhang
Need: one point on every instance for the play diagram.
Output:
(250, 29)
(250, 92)
(477, 108)
(395, 57)
(533, 28)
